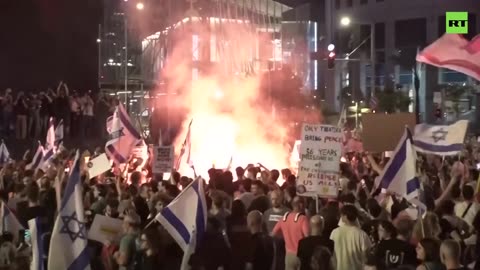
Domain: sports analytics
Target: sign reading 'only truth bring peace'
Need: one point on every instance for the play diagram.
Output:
(320, 153)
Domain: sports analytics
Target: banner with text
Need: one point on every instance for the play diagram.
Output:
(162, 159)
(320, 153)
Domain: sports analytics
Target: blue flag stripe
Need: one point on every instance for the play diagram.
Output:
(439, 148)
(117, 156)
(177, 224)
(413, 185)
(395, 166)
(128, 125)
(73, 180)
(82, 261)
(39, 241)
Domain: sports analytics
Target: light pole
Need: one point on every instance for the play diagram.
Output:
(99, 42)
(139, 6)
(345, 21)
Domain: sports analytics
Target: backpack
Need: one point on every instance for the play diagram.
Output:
(297, 216)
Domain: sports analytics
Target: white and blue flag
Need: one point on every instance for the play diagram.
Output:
(36, 241)
(440, 140)
(68, 244)
(400, 174)
(37, 159)
(123, 137)
(4, 154)
(9, 221)
(59, 134)
(185, 219)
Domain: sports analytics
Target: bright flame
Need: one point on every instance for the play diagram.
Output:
(235, 123)
(219, 94)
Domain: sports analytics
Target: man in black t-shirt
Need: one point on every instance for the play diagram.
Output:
(307, 245)
(262, 255)
(397, 251)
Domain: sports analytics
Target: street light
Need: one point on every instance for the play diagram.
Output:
(140, 6)
(346, 21)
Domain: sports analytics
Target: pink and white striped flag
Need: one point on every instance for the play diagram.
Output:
(454, 52)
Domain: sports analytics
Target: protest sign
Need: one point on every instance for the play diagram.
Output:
(105, 229)
(381, 132)
(98, 165)
(320, 153)
(162, 159)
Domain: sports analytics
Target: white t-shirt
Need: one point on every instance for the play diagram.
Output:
(470, 215)
(351, 246)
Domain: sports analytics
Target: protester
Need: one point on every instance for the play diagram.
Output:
(262, 252)
(450, 252)
(351, 243)
(294, 226)
(126, 255)
(428, 253)
(236, 225)
(308, 245)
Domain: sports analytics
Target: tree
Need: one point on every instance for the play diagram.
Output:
(406, 59)
(392, 101)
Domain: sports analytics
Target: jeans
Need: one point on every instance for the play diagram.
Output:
(292, 262)
(21, 127)
(34, 125)
(7, 121)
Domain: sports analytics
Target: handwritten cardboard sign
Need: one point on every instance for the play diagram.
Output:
(162, 159)
(320, 153)
(381, 132)
(105, 229)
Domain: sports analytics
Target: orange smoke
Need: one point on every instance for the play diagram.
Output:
(231, 121)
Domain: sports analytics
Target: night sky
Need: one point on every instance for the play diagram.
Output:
(45, 41)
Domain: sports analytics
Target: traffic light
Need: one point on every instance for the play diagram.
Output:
(331, 60)
(331, 56)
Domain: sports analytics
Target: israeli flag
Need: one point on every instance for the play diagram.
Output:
(9, 221)
(123, 137)
(185, 219)
(440, 140)
(399, 176)
(36, 241)
(4, 154)
(37, 159)
(50, 147)
(59, 134)
(50, 140)
(68, 244)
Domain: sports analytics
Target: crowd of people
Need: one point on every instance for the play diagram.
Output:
(26, 115)
(256, 220)
(255, 223)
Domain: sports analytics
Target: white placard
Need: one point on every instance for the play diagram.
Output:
(105, 229)
(98, 165)
(162, 159)
(320, 153)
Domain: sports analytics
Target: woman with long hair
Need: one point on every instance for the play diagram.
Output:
(428, 253)
(151, 246)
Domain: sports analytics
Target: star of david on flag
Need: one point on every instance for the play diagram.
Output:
(440, 140)
(68, 244)
(439, 135)
(73, 227)
(123, 136)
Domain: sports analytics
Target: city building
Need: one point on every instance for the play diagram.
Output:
(400, 28)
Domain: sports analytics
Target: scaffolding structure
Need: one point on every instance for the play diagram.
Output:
(257, 21)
